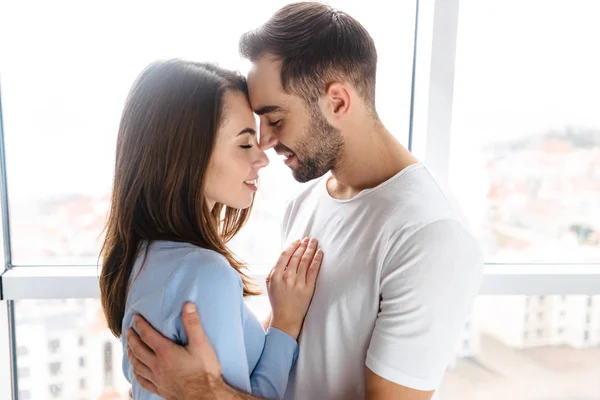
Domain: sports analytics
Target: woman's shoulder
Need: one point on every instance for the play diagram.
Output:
(205, 267)
(204, 277)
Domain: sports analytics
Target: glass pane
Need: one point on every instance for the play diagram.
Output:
(65, 351)
(525, 154)
(517, 347)
(528, 348)
(521, 348)
(61, 119)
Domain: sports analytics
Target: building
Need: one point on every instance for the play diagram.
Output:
(65, 351)
(535, 321)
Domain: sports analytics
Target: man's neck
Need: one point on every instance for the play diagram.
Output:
(371, 156)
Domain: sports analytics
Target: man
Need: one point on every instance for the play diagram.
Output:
(401, 268)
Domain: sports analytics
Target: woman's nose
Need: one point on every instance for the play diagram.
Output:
(262, 160)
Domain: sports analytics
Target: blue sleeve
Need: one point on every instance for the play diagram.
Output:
(270, 376)
(207, 279)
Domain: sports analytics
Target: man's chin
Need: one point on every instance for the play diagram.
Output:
(302, 175)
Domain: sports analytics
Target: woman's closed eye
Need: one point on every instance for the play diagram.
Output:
(247, 146)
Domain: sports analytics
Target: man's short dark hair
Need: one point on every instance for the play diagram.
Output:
(317, 45)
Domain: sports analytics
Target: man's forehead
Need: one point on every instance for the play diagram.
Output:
(265, 65)
(264, 78)
(266, 94)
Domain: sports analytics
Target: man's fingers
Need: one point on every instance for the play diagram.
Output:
(191, 322)
(313, 270)
(146, 384)
(152, 338)
(199, 346)
(142, 352)
(283, 261)
(307, 258)
(139, 368)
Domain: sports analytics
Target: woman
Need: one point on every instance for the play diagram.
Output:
(186, 174)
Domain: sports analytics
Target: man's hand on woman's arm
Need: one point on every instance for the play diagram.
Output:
(193, 372)
(176, 372)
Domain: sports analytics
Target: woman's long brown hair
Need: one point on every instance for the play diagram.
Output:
(166, 136)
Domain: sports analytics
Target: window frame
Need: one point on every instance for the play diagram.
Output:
(429, 138)
(433, 85)
(8, 352)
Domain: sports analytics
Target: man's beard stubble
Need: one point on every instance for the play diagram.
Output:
(320, 148)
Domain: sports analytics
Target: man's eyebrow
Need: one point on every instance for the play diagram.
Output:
(247, 130)
(267, 109)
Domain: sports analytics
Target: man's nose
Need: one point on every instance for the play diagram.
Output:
(266, 140)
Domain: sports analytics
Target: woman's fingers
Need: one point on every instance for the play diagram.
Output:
(292, 267)
(284, 259)
(307, 259)
(313, 270)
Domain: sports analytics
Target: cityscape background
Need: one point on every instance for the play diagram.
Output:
(524, 164)
(511, 344)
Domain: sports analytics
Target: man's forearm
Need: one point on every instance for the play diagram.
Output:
(230, 393)
(217, 390)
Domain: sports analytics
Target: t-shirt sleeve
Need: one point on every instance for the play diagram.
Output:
(427, 286)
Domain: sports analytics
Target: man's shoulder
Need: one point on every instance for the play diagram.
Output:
(418, 198)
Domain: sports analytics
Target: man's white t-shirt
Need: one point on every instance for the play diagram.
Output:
(400, 273)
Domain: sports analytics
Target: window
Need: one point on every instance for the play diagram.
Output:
(108, 365)
(56, 390)
(525, 136)
(498, 341)
(54, 345)
(54, 368)
(59, 221)
(523, 164)
(35, 319)
(503, 358)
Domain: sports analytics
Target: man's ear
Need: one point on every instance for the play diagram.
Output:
(336, 102)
